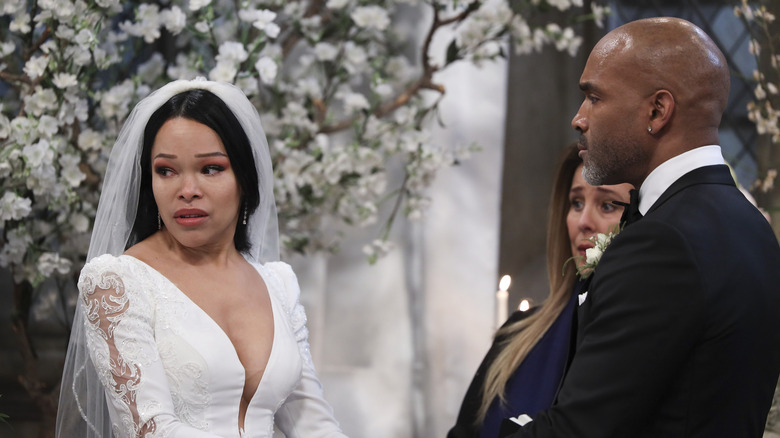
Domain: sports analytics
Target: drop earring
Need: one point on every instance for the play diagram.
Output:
(244, 221)
(159, 221)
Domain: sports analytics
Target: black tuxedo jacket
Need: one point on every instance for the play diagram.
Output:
(679, 335)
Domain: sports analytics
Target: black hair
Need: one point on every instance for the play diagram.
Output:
(204, 107)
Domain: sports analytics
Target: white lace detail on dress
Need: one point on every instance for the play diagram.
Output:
(184, 369)
(119, 361)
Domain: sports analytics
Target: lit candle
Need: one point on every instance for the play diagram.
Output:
(524, 305)
(502, 296)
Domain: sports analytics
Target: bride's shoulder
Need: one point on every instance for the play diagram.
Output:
(281, 278)
(101, 263)
(107, 264)
(278, 267)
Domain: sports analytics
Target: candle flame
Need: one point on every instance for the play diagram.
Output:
(524, 305)
(504, 283)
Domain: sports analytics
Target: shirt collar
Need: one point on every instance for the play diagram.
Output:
(672, 169)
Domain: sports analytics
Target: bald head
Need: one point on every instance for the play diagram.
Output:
(674, 55)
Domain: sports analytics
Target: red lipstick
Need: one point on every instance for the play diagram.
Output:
(190, 217)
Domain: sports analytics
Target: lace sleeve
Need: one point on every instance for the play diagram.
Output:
(121, 342)
(305, 413)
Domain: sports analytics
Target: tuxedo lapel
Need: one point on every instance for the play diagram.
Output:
(717, 174)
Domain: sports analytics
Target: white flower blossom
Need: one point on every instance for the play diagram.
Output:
(49, 262)
(296, 115)
(79, 222)
(323, 142)
(183, 68)
(248, 84)
(354, 101)
(70, 170)
(308, 87)
(377, 249)
(78, 56)
(64, 80)
(384, 90)
(153, 68)
(21, 24)
(11, 6)
(759, 92)
(17, 242)
(116, 101)
(562, 5)
(47, 126)
(37, 154)
(5, 169)
(110, 4)
(592, 255)
(370, 17)
(336, 4)
(196, 5)
(147, 23)
(5, 125)
(599, 13)
(41, 101)
(90, 140)
(416, 207)
(223, 72)
(85, 39)
(202, 26)
(43, 181)
(356, 58)
(264, 20)
(22, 131)
(232, 52)
(14, 207)
(174, 19)
(568, 41)
(267, 68)
(7, 48)
(35, 66)
(325, 51)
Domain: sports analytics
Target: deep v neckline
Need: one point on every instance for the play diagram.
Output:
(224, 335)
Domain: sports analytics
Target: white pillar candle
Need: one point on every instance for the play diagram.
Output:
(502, 296)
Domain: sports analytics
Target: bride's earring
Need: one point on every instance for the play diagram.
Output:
(244, 221)
(159, 221)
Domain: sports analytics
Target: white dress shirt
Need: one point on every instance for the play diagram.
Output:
(672, 169)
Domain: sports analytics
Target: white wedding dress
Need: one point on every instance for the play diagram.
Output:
(170, 371)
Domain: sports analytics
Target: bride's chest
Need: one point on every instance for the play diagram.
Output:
(202, 363)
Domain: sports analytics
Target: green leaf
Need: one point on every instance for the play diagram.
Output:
(452, 53)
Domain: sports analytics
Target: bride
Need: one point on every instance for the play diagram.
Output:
(187, 324)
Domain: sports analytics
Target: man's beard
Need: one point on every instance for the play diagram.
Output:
(610, 164)
(593, 175)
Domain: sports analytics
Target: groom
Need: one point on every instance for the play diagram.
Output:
(679, 335)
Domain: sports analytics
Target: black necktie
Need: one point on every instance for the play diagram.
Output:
(631, 212)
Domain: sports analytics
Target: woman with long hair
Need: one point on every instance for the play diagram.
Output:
(523, 368)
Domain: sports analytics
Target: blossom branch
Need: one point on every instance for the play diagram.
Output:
(37, 45)
(314, 8)
(424, 82)
(11, 78)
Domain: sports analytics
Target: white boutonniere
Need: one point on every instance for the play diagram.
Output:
(593, 255)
